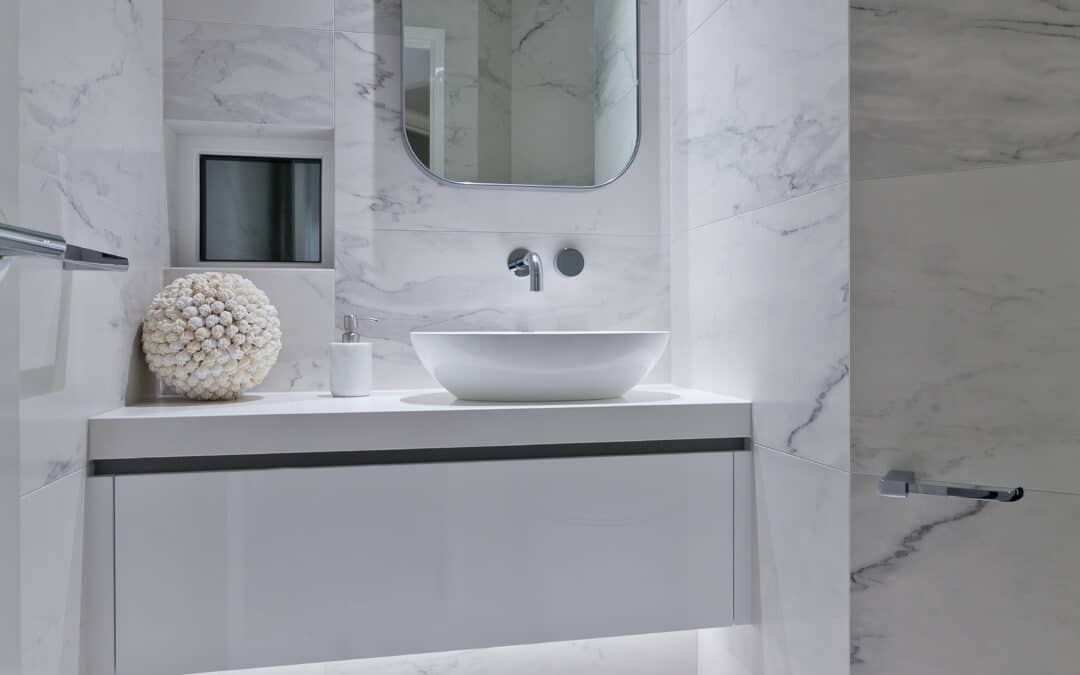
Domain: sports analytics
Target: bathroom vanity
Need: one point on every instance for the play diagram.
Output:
(292, 528)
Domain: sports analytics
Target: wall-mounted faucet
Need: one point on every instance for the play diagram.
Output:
(525, 263)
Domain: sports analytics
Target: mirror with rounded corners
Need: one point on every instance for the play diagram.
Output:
(521, 92)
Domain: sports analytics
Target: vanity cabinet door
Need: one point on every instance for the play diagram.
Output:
(229, 570)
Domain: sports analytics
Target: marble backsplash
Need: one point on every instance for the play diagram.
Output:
(412, 251)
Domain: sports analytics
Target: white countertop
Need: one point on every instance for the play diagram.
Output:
(266, 423)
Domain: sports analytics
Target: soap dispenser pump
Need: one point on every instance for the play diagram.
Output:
(350, 363)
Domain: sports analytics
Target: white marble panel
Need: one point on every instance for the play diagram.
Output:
(282, 13)
(767, 116)
(956, 586)
(685, 17)
(368, 16)
(379, 186)
(51, 552)
(768, 301)
(256, 74)
(304, 299)
(654, 654)
(98, 179)
(9, 112)
(802, 545)
(458, 281)
(966, 300)
(939, 86)
(86, 324)
(10, 586)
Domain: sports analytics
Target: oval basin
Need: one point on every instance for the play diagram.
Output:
(540, 366)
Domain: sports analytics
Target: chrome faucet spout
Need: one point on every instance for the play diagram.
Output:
(525, 263)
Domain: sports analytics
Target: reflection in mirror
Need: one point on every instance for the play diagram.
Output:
(521, 92)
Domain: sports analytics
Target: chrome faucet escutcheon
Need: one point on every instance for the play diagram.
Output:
(526, 263)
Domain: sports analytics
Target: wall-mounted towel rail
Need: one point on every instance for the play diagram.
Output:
(903, 483)
(18, 241)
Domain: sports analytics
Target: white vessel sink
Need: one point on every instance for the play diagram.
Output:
(542, 366)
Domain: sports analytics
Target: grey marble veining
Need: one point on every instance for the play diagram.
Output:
(254, 74)
(966, 301)
(768, 301)
(947, 585)
(941, 86)
(767, 114)
(98, 179)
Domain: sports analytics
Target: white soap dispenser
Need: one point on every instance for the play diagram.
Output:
(350, 363)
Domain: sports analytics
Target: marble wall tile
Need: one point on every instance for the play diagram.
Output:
(282, 13)
(657, 654)
(235, 73)
(769, 304)
(955, 586)
(10, 582)
(368, 16)
(9, 112)
(304, 299)
(390, 214)
(379, 186)
(767, 114)
(51, 551)
(966, 303)
(98, 179)
(941, 86)
(458, 281)
(802, 543)
(685, 17)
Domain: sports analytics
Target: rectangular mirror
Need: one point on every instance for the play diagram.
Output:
(521, 92)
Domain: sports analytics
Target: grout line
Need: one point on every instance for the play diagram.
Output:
(706, 20)
(965, 169)
(770, 205)
(846, 472)
(69, 474)
(241, 24)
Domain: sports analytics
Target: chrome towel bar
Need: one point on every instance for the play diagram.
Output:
(902, 483)
(18, 241)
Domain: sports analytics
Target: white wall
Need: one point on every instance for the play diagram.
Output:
(760, 270)
(966, 357)
(91, 169)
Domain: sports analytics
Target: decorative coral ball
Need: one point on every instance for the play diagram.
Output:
(211, 336)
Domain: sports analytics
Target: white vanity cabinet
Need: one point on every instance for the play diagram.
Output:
(237, 569)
